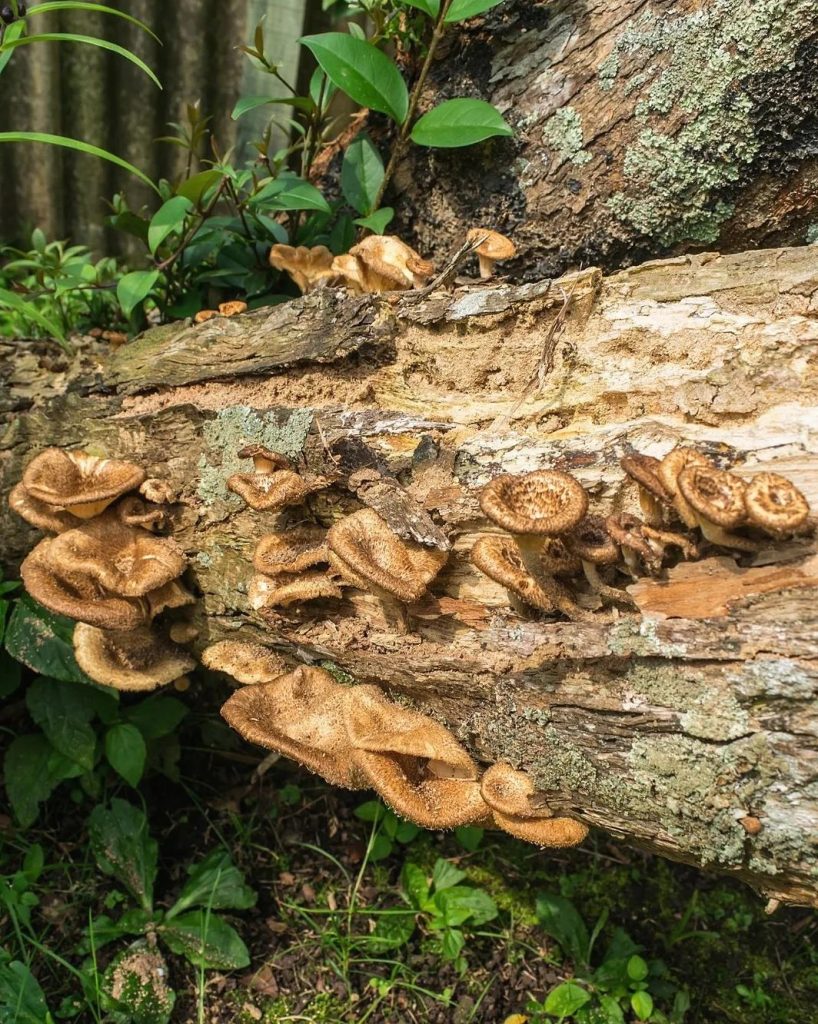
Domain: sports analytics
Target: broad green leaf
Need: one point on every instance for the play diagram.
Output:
(445, 875)
(456, 123)
(13, 31)
(85, 5)
(249, 103)
(72, 37)
(290, 194)
(206, 940)
(380, 848)
(642, 1005)
(361, 71)
(195, 187)
(33, 770)
(64, 712)
(463, 903)
(135, 984)
(612, 1010)
(566, 999)
(637, 968)
(22, 1001)
(123, 847)
(157, 716)
(469, 837)
(378, 221)
(43, 641)
(214, 883)
(392, 930)
(430, 7)
(453, 942)
(462, 9)
(134, 288)
(168, 219)
(29, 310)
(416, 885)
(321, 89)
(80, 147)
(370, 810)
(126, 752)
(560, 919)
(361, 174)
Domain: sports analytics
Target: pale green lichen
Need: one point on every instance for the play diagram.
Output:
(639, 636)
(563, 133)
(812, 233)
(608, 70)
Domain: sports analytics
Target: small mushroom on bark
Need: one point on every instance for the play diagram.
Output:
(280, 591)
(38, 513)
(668, 472)
(232, 308)
(653, 495)
(493, 247)
(204, 315)
(160, 492)
(247, 663)
(775, 504)
(309, 267)
(270, 492)
(384, 263)
(82, 484)
(133, 511)
(591, 542)
(512, 798)
(626, 531)
(291, 551)
(265, 460)
(716, 499)
(133, 660)
(499, 559)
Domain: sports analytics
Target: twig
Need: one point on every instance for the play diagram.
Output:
(447, 274)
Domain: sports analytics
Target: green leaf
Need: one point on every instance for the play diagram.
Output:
(414, 882)
(445, 875)
(29, 310)
(566, 999)
(13, 31)
(22, 1001)
(559, 919)
(72, 37)
(134, 288)
(206, 940)
(462, 9)
(195, 187)
(215, 883)
(462, 122)
(642, 1005)
(361, 71)
(157, 716)
(361, 174)
(43, 642)
(612, 1010)
(290, 194)
(168, 219)
(430, 7)
(125, 750)
(378, 221)
(391, 932)
(85, 5)
(469, 837)
(463, 904)
(380, 848)
(123, 847)
(453, 942)
(64, 712)
(370, 810)
(80, 147)
(10, 674)
(637, 969)
(135, 984)
(249, 103)
(33, 770)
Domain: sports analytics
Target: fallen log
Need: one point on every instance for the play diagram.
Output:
(690, 729)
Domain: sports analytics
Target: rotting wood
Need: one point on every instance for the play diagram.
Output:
(665, 729)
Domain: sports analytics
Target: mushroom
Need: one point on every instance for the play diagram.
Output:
(653, 495)
(170, 595)
(183, 632)
(247, 663)
(627, 532)
(133, 511)
(270, 492)
(309, 267)
(533, 507)
(668, 473)
(775, 504)
(265, 460)
(82, 484)
(271, 591)
(291, 551)
(133, 660)
(385, 263)
(499, 559)
(366, 554)
(232, 308)
(591, 542)
(492, 248)
(716, 499)
(512, 798)
(301, 716)
(38, 513)
(414, 763)
(352, 271)
(204, 315)
(160, 492)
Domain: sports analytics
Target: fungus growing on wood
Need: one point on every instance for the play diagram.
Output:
(82, 484)
(626, 531)
(653, 495)
(134, 660)
(270, 492)
(716, 499)
(301, 716)
(512, 798)
(247, 663)
(265, 460)
(204, 315)
(280, 591)
(591, 542)
(492, 249)
(183, 632)
(232, 308)
(384, 263)
(173, 594)
(668, 472)
(38, 513)
(499, 559)
(775, 504)
(414, 763)
(134, 511)
(160, 492)
(291, 550)
(308, 267)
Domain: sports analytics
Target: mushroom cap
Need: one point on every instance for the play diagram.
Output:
(499, 559)
(644, 469)
(414, 763)
(591, 542)
(259, 451)
(269, 492)
(247, 663)
(38, 513)
(204, 315)
(775, 504)
(301, 716)
(352, 271)
(134, 511)
(291, 551)
(307, 266)
(270, 591)
(232, 308)
(511, 792)
(547, 832)
(546, 501)
(557, 560)
(170, 595)
(67, 479)
(668, 472)
(390, 264)
(160, 492)
(713, 493)
(368, 555)
(626, 531)
(133, 660)
(125, 560)
(78, 596)
(494, 245)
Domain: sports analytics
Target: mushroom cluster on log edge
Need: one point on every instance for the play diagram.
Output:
(109, 566)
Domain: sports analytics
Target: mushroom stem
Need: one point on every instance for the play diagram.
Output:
(531, 549)
(486, 267)
(600, 587)
(718, 535)
(652, 508)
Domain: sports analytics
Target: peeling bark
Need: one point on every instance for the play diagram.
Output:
(665, 728)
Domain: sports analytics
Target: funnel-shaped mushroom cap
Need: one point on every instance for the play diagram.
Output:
(512, 792)
(38, 513)
(368, 555)
(492, 244)
(713, 493)
(557, 560)
(170, 595)
(546, 501)
(133, 660)
(265, 460)
(591, 542)
(775, 504)
(390, 264)
(247, 663)
(269, 492)
(668, 472)
(644, 469)
(499, 558)
(123, 559)
(413, 762)
(308, 267)
(78, 596)
(299, 715)
(291, 551)
(272, 591)
(81, 483)
(160, 492)
(546, 832)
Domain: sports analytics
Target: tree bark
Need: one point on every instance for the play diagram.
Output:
(642, 128)
(664, 728)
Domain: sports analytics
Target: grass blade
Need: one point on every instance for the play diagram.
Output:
(84, 5)
(80, 147)
(72, 37)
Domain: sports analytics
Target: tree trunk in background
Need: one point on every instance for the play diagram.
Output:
(642, 128)
(665, 728)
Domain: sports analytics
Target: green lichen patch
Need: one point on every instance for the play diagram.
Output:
(563, 132)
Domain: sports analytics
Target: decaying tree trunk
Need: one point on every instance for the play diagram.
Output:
(642, 128)
(666, 728)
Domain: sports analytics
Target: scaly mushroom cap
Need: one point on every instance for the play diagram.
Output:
(499, 558)
(511, 792)
(291, 551)
(713, 493)
(626, 531)
(775, 504)
(554, 833)
(414, 763)
(308, 267)
(368, 555)
(265, 460)
(301, 716)
(133, 511)
(269, 492)
(270, 592)
(81, 483)
(591, 542)
(390, 264)
(493, 245)
(247, 663)
(232, 308)
(545, 502)
(160, 492)
(668, 472)
(133, 660)
(644, 469)
(170, 595)
(38, 513)
(125, 560)
(78, 596)
(557, 560)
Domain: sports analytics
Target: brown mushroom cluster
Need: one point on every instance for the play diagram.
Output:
(226, 309)
(104, 564)
(354, 737)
